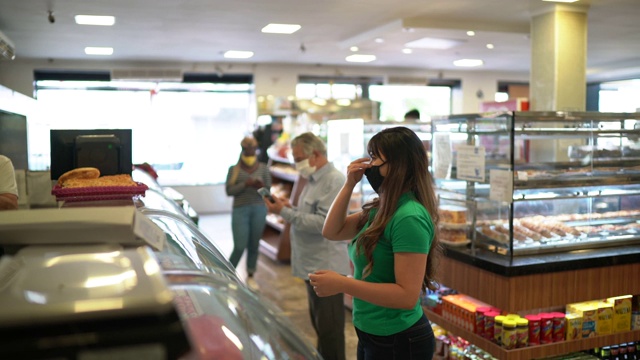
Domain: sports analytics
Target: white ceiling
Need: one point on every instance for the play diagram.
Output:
(201, 30)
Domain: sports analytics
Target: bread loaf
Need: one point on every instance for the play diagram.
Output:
(79, 173)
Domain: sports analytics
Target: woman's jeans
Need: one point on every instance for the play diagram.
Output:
(247, 225)
(417, 342)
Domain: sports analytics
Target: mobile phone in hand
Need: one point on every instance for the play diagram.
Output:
(264, 192)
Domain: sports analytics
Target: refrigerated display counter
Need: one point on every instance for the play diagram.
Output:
(93, 296)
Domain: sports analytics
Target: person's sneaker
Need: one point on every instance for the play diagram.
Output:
(252, 284)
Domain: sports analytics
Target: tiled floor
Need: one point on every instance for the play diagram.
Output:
(275, 282)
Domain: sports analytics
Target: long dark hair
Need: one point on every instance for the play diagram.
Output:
(408, 172)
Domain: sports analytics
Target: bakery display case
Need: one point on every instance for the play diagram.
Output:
(549, 205)
(542, 182)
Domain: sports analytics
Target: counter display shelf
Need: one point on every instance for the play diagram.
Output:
(533, 352)
(551, 215)
(275, 242)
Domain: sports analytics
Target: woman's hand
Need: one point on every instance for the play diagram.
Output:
(327, 282)
(356, 169)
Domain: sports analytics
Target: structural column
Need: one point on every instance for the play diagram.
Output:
(558, 71)
(559, 58)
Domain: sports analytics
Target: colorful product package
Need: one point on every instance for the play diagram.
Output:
(589, 319)
(604, 324)
(574, 326)
(621, 313)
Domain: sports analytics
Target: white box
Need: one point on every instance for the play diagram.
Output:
(123, 225)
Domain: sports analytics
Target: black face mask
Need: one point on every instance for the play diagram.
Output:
(374, 177)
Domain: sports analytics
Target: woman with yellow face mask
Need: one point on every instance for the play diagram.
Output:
(248, 216)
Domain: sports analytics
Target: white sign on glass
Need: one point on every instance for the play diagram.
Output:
(470, 163)
(501, 185)
(442, 156)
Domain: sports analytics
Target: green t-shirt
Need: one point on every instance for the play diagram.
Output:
(409, 230)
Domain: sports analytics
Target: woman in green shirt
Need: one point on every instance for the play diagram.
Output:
(393, 249)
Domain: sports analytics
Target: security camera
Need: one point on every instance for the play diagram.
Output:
(52, 19)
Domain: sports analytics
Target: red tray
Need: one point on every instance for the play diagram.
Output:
(98, 192)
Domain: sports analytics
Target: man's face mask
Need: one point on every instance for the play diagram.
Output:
(305, 169)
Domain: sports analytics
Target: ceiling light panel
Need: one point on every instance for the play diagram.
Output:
(96, 50)
(237, 54)
(360, 58)
(95, 20)
(433, 43)
(281, 28)
(468, 62)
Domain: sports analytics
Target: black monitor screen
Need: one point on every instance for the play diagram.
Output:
(13, 138)
(109, 150)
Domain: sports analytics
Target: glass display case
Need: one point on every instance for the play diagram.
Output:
(223, 317)
(521, 183)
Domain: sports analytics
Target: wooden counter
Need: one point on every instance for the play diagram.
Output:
(539, 291)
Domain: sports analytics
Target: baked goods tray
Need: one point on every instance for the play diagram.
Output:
(98, 192)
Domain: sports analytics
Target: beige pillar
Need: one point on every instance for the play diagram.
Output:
(559, 58)
(558, 70)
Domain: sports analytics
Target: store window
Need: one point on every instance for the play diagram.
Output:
(620, 96)
(396, 100)
(189, 132)
(328, 91)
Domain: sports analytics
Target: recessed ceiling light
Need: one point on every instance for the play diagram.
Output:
(359, 58)
(281, 28)
(468, 62)
(95, 20)
(490, 46)
(354, 48)
(343, 102)
(433, 43)
(379, 40)
(407, 51)
(236, 54)
(471, 33)
(95, 50)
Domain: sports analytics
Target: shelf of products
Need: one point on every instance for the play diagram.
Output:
(275, 242)
(533, 352)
